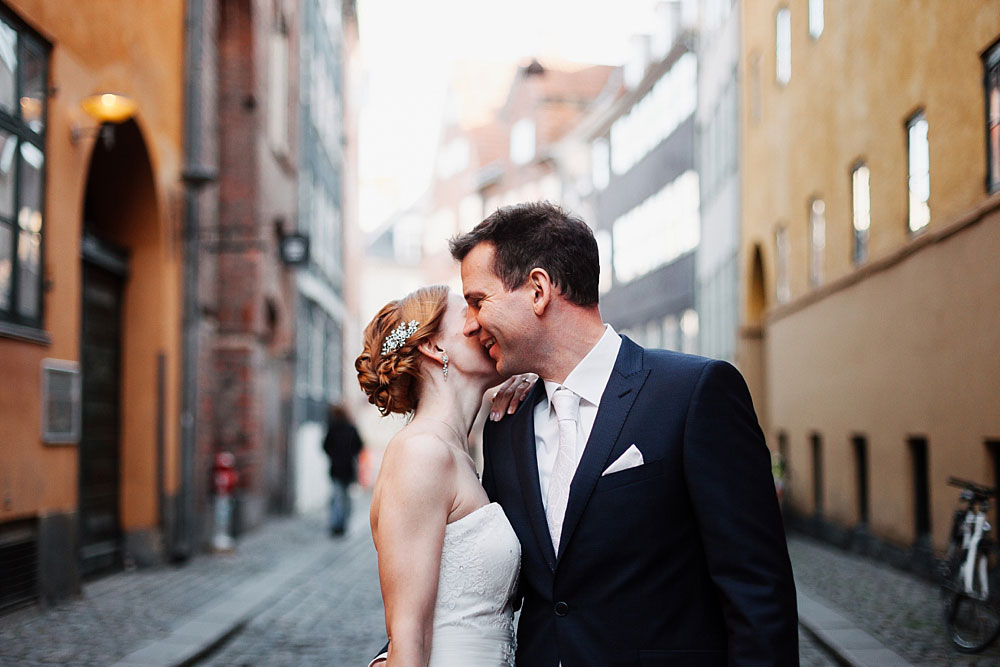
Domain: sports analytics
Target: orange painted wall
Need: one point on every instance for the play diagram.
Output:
(135, 49)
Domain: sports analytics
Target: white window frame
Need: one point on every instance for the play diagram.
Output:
(522, 141)
(782, 275)
(861, 213)
(817, 241)
(919, 176)
(815, 18)
(277, 116)
(783, 46)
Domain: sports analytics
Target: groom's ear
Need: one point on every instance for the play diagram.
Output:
(542, 290)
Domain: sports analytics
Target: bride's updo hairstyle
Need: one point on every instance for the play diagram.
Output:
(392, 380)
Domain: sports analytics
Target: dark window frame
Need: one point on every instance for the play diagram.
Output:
(862, 476)
(27, 38)
(993, 454)
(991, 80)
(816, 446)
(920, 478)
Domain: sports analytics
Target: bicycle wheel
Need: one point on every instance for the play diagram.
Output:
(973, 624)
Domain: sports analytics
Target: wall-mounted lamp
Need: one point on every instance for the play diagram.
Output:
(106, 109)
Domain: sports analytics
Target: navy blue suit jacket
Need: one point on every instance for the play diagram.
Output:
(680, 561)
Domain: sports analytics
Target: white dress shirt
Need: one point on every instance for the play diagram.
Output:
(588, 381)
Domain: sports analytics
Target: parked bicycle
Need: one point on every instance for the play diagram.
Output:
(971, 578)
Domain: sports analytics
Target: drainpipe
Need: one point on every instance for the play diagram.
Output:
(183, 540)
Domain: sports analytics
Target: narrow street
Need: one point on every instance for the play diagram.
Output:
(290, 595)
(900, 610)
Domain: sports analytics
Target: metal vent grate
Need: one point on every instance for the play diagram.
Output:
(18, 564)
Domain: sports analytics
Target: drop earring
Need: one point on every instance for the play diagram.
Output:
(444, 360)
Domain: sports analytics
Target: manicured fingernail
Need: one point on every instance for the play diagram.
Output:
(494, 417)
(510, 410)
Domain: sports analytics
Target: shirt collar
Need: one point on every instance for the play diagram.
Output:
(589, 378)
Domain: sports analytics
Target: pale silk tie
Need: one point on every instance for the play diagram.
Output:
(567, 407)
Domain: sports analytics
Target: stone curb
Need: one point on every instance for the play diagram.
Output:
(850, 644)
(213, 624)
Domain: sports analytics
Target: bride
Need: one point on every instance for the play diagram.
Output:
(448, 559)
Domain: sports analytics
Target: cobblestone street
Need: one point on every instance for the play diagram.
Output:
(330, 616)
(327, 609)
(899, 609)
(331, 612)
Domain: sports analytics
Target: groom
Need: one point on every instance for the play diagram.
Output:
(637, 481)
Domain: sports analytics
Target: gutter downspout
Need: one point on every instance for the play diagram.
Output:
(195, 175)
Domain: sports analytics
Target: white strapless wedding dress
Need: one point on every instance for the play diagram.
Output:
(473, 616)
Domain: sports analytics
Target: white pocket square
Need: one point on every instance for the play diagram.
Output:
(630, 459)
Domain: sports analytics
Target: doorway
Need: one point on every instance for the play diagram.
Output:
(104, 272)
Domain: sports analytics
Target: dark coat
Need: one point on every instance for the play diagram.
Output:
(679, 561)
(342, 444)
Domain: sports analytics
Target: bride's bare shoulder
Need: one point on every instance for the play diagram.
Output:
(418, 451)
(417, 475)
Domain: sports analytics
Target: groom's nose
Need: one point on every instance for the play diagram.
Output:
(471, 327)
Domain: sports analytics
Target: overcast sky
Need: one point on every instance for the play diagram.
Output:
(409, 46)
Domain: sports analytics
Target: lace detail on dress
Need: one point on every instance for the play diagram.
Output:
(480, 563)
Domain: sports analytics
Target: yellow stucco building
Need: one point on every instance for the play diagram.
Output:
(870, 232)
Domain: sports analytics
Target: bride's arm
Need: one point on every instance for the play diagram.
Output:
(416, 496)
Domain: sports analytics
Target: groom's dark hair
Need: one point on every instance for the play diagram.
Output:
(538, 234)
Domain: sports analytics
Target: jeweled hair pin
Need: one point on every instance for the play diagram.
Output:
(395, 340)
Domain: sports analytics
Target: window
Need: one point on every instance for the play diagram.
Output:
(317, 345)
(993, 451)
(719, 157)
(817, 241)
(815, 18)
(861, 476)
(604, 253)
(470, 211)
(522, 141)
(670, 102)
(600, 168)
(921, 489)
(23, 86)
(783, 288)
(920, 179)
(654, 338)
(657, 231)
(453, 158)
(277, 117)
(779, 467)
(756, 104)
(817, 456)
(861, 206)
(670, 331)
(334, 382)
(992, 63)
(689, 331)
(783, 46)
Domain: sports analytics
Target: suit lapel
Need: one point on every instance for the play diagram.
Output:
(526, 459)
(624, 384)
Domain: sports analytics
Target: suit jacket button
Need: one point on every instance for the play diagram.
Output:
(561, 608)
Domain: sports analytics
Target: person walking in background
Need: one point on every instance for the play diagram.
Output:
(343, 445)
